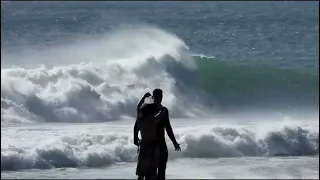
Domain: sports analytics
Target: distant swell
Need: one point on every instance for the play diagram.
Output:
(104, 150)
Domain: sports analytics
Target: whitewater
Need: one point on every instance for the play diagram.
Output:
(68, 105)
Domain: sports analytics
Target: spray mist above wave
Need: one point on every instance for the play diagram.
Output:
(98, 150)
(130, 46)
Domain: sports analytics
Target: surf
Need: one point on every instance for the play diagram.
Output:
(101, 79)
(101, 145)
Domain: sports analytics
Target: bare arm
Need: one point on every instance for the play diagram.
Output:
(142, 101)
(136, 128)
(168, 127)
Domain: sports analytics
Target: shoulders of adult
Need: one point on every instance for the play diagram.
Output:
(164, 109)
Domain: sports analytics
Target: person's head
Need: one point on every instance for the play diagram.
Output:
(157, 96)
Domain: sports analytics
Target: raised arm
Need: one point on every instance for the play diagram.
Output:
(142, 100)
(136, 128)
(140, 103)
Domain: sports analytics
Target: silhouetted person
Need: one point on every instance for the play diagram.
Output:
(162, 123)
(148, 154)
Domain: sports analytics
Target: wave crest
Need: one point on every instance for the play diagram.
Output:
(104, 150)
(109, 90)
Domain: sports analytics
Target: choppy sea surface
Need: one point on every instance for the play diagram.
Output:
(240, 80)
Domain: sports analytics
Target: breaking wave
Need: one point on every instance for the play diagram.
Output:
(103, 78)
(87, 150)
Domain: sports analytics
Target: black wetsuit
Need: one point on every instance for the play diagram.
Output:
(163, 124)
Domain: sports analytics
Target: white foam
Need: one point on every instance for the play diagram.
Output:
(72, 145)
(98, 79)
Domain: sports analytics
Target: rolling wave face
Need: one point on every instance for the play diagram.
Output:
(97, 150)
(229, 142)
(99, 90)
(257, 85)
(88, 93)
(123, 66)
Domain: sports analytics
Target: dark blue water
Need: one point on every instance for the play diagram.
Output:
(284, 34)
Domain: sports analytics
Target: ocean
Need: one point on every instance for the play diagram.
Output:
(240, 80)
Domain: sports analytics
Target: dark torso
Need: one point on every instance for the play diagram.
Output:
(152, 108)
(160, 130)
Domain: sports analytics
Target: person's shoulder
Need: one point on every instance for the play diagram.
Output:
(165, 109)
